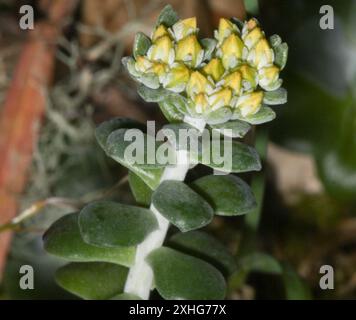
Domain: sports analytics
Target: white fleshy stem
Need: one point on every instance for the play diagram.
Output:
(140, 278)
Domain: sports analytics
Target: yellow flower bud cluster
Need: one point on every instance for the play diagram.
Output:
(235, 71)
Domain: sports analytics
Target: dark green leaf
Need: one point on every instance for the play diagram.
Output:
(228, 195)
(205, 247)
(92, 280)
(63, 239)
(141, 44)
(181, 277)
(152, 95)
(111, 224)
(260, 262)
(103, 131)
(275, 97)
(218, 116)
(168, 16)
(140, 189)
(182, 206)
(238, 158)
(234, 128)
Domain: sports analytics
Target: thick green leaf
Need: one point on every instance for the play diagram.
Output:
(171, 109)
(218, 116)
(181, 277)
(275, 97)
(228, 195)
(133, 149)
(103, 131)
(63, 239)
(265, 114)
(168, 16)
(140, 189)
(111, 224)
(115, 148)
(141, 44)
(92, 280)
(233, 129)
(205, 247)
(152, 95)
(281, 55)
(260, 262)
(295, 287)
(237, 157)
(182, 206)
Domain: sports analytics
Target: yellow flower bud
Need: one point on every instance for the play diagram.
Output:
(249, 77)
(200, 102)
(189, 51)
(177, 78)
(198, 84)
(214, 68)
(250, 103)
(142, 64)
(184, 28)
(233, 81)
(249, 25)
(252, 37)
(268, 76)
(261, 55)
(231, 51)
(158, 68)
(162, 50)
(220, 98)
(226, 27)
(160, 31)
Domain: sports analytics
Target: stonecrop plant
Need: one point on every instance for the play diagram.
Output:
(223, 84)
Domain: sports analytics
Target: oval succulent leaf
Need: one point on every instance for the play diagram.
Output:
(92, 280)
(181, 277)
(260, 262)
(233, 128)
(275, 97)
(281, 55)
(238, 158)
(111, 224)
(182, 206)
(152, 95)
(228, 195)
(115, 148)
(63, 239)
(218, 116)
(103, 131)
(204, 246)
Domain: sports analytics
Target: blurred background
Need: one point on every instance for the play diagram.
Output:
(58, 81)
